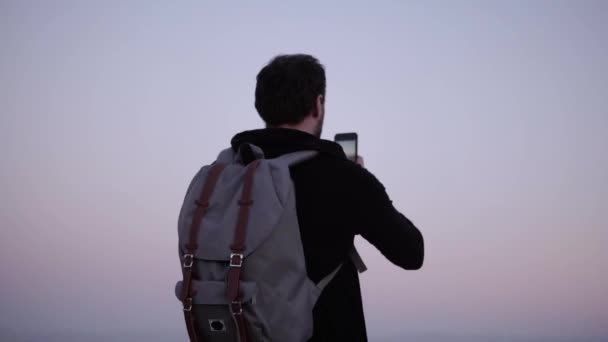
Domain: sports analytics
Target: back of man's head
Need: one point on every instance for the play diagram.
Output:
(287, 89)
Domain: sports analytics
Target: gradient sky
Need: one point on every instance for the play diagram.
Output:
(486, 121)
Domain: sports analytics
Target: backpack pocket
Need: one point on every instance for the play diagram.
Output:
(211, 311)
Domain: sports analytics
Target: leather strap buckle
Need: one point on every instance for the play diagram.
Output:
(188, 260)
(236, 259)
(236, 307)
(187, 304)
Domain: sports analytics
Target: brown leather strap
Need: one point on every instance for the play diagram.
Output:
(241, 325)
(236, 256)
(190, 326)
(191, 246)
(240, 233)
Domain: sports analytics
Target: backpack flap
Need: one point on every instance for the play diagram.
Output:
(216, 233)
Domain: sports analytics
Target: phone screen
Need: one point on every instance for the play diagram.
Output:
(349, 147)
(348, 141)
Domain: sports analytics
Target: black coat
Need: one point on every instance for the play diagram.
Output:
(336, 199)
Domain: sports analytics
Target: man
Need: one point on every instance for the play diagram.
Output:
(336, 199)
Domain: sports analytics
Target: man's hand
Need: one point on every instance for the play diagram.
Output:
(359, 161)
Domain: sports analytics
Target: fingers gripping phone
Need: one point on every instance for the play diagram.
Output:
(349, 143)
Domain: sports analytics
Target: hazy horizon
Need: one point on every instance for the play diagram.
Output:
(486, 121)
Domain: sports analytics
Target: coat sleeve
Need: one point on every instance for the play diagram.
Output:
(394, 235)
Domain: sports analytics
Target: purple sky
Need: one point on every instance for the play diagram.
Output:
(486, 121)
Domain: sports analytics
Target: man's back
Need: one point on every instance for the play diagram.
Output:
(336, 200)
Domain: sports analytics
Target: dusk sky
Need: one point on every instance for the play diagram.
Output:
(487, 122)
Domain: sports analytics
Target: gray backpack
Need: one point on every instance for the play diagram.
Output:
(244, 274)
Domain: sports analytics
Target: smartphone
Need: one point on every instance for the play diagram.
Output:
(349, 142)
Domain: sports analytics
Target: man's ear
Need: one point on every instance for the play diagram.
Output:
(319, 106)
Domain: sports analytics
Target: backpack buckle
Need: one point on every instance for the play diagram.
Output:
(236, 307)
(236, 259)
(188, 260)
(187, 304)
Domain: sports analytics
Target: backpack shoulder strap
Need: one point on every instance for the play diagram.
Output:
(202, 205)
(355, 259)
(293, 158)
(328, 278)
